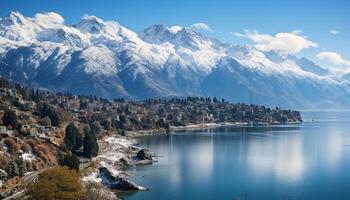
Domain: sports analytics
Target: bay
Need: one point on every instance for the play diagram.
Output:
(305, 161)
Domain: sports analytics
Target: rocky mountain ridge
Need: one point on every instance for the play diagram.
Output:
(104, 58)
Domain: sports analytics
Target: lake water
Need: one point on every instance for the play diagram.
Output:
(306, 161)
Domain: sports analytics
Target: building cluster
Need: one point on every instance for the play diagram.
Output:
(167, 113)
(120, 114)
(30, 127)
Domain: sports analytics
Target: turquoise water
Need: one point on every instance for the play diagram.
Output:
(307, 161)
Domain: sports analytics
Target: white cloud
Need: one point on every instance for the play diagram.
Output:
(290, 42)
(333, 32)
(175, 29)
(297, 32)
(201, 26)
(238, 34)
(333, 58)
(49, 20)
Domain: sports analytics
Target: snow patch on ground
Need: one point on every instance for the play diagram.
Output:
(116, 150)
(28, 156)
(93, 177)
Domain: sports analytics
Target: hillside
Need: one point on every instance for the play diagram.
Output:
(41, 129)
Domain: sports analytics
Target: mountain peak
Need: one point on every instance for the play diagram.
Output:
(189, 33)
(157, 29)
(14, 17)
(15, 14)
(90, 24)
(92, 18)
(157, 34)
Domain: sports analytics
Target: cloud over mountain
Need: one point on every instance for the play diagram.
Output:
(201, 26)
(334, 58)
(290, 42)
(50, 19)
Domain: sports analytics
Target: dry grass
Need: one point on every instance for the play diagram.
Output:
(94, 191)
(46, 154)
(13, 147)
(4, 160)
(25, 147)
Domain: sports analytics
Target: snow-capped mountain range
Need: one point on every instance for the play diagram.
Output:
(106, 59)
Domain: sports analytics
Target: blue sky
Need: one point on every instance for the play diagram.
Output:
(314, 18)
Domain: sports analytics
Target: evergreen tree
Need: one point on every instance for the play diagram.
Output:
(79, 141)
(4, 83)
(83, 104)
(47, 110)
(12, 169)
(72, 139)
(122, 133)
(167, 126)
(10, 119)
(22, 168)
(90, 145)
(106, 123)
(71, 160)
(55, 118)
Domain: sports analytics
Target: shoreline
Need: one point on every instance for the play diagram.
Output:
(194, 127)
(112, 166)
(119, 153)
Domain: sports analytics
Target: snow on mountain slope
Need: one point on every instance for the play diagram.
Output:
(99, 60)
(18, 28)
(193, 48)
(104, 58)
(235, 82)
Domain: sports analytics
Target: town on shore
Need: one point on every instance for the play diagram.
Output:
(41, 129)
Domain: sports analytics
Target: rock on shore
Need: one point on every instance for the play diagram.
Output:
(118, 182)
(144, 154)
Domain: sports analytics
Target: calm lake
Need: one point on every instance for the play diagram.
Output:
(306, 161)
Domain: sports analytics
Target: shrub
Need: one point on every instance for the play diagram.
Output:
(43, 151)
(31, 143)
(23, 132)
(13, 147)
(46, 121)
(71, 160)
(4, 160)
(56, 183)
(56, 115)
(92, 191)
(25, 147)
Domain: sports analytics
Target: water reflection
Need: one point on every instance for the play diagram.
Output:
(201, 158)
(334, 148)
(281, 157)
(308, 161)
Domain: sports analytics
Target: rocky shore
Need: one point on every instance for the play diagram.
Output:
(110, 173)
